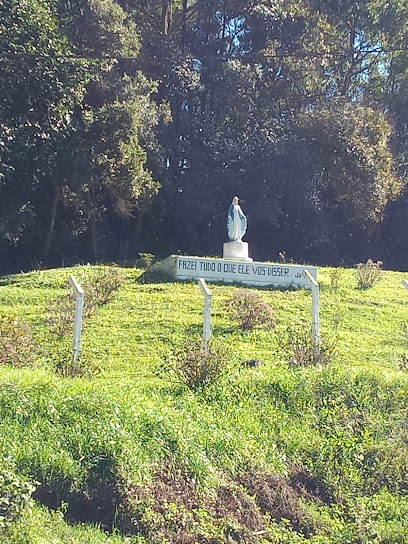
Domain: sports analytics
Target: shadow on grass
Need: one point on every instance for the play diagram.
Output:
(94, 501)
(217, 330)
(149, 276)
(240, 507)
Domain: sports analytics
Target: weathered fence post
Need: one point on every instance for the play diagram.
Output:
(79, 309)
(315, 306)
(207, 312)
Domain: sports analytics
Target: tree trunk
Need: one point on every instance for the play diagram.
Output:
(94, 236)
(166, 16)
(184, 25)
(51, 222)
(92, 226)
(139, 226)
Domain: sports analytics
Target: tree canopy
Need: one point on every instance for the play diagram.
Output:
(129, 126)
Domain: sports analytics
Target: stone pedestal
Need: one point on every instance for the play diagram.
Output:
(237, 251)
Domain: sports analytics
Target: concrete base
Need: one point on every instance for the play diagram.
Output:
(237, 251)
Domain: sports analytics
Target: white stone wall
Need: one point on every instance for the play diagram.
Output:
(254, 273)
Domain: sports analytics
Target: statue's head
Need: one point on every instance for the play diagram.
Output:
(235, 200)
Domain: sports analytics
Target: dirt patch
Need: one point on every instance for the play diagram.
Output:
(279, 497)
(232, 503)
(172, 508)
(97, 503)
(171, 485)
(310, 487)
(274, 495)
(161, 509)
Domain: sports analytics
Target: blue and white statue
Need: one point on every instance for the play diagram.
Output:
(237, 222)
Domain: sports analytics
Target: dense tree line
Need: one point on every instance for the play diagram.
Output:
(127, 126)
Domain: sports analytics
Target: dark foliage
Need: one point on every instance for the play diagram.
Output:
(127, 126)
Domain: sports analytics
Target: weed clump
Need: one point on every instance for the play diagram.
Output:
(146, 261)
(402, 363)
(16, 341)
(301, 348)
(60, 317)
(368, 274)
(173, 509)
(101, 286)
(99, 290)
(336, 278)
(64, 364)
(190, 365)
(280, 498)
(249, 310)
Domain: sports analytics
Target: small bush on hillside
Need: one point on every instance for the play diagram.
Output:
(368, 274)
(101, 286)
(336, 278)
(402, 363)
(17, 346)
(146, 260)
(191, 366)
(249, 309)
(99, 290)
(15, 495)
(61, 314)
(61, 357)
(404, 332)
(302, 349)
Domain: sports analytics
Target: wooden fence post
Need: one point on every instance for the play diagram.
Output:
(207, 312)
(79, 310)
(315, 306)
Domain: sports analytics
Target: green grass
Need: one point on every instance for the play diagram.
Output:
(117, 443)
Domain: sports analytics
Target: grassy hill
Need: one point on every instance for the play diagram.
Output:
(282, 450)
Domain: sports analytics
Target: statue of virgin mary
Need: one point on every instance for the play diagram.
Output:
(236, 222)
